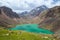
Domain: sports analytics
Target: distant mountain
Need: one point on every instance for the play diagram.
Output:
(8, 18)
(23, 14)
(34, 12)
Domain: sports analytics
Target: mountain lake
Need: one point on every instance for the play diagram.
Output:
(32, 28)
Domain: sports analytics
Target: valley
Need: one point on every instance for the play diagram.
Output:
(30, 26)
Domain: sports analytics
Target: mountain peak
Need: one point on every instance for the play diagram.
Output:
(38, 10)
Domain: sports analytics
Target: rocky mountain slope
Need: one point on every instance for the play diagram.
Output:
(51, 19)
(8, 18)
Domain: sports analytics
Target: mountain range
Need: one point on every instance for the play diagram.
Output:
(33, 13)
(47, 18)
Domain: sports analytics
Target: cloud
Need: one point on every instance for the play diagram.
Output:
(26, 5)
(52, 3)
(55, 1)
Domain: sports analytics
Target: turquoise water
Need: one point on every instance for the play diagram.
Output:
(31, 28)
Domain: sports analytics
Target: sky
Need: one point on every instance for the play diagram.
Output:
(26, 5)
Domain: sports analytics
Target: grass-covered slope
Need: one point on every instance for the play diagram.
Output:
(21, 35)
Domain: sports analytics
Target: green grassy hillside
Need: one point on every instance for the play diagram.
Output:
(21, 35)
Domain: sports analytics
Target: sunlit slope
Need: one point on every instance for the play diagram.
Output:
(21, 35)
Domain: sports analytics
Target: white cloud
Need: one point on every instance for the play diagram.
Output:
(22, 5)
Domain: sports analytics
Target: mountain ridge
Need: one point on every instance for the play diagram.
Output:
(8, 17)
